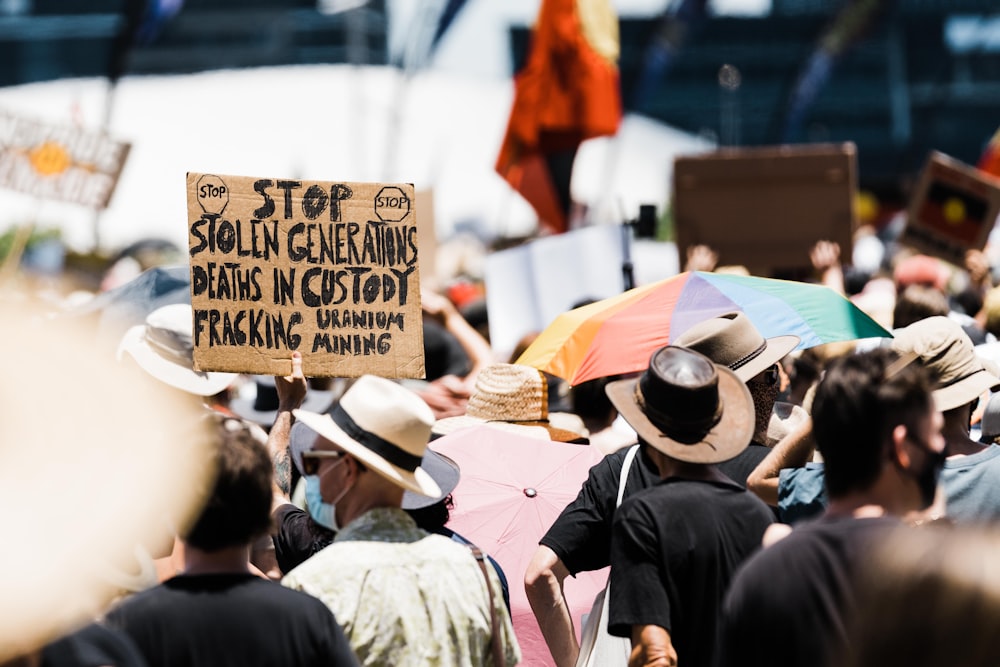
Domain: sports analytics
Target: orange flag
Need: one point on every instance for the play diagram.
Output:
(567, 92)
(989, 161)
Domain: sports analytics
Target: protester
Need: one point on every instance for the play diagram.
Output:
(971, 473)
(403, 596)
(217, 612)
(880, 436)
(676, 545)
(300, 533)
(731, 340)
(454, 353)
(578, 541)
(590, 403)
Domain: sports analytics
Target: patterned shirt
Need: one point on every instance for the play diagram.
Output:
(405, 597)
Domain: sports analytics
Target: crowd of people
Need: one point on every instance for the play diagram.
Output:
(756, 503)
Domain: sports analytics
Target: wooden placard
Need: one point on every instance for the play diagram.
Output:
(952, 210)
(63, 163)
(765, 208)
(326, 269)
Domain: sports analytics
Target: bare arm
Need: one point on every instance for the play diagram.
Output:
(291, 392)
(652, 647)
(792, 451)
(543, 584)
(477, 347)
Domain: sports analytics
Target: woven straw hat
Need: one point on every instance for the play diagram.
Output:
(947, 352)
(512, 397)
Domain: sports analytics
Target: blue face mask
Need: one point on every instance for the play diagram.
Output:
(322, 512)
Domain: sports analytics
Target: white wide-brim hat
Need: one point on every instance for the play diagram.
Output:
(163, 348)
(383, 425)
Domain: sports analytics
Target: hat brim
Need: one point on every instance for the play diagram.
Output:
(777, 348)
(442, 470)
(315, 401)
(166, 371)
(533, 429)
(726, 439)
(965, 390)
(417, 481)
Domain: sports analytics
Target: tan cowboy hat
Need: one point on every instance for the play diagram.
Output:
(733, 341)
(384, 425)
(512, 397)
(163, 347)
(947, 352)
(687, 407)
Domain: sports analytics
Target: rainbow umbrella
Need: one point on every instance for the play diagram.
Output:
(617, 335)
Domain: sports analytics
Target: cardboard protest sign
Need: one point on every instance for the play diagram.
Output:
(53, 162)
(952, 210)
(326, 269)
(765, 208)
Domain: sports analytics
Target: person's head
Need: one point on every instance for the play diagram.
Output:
(920, 270)
(872, 410)
(591, 402)
(928, 597)
(238, 509)
(432, 512)
(367, 451)
(918, 302)
(733, 341)
(686, 407)
(942, 346)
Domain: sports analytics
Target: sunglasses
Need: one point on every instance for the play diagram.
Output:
(770, 375)
(312, 458)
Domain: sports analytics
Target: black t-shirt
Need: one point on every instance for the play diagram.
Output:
(94, 645)
(231, 620)
(674, 550)
(788, 604)
(297, 537)
(739, 468)
(581, 534)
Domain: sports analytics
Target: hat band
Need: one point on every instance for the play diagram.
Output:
(959, 379)
(686, 431)
(750, 357)
(388, 451)
(172, 346)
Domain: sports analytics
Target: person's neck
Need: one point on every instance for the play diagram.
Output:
(228, 560)
(883, 497)
(956, 434)
(671, 468)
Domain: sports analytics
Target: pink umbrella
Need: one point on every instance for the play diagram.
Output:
(511, 490)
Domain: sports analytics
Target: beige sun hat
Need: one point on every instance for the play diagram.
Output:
(512, 397)
(163, 347)
(948, 353)
(687, 407)
(383, 424)
(733, 341)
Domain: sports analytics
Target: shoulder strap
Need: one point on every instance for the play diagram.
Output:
(623, 477)
(498, 659)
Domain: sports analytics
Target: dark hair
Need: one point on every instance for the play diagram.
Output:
(433, 517)
(238, 510)
(590, 401)
(860, 400)
(916, 303)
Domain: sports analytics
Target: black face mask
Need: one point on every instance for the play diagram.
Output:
(927, 476)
